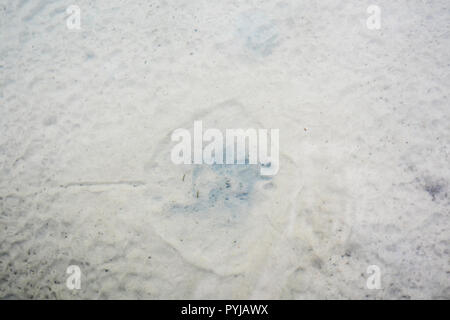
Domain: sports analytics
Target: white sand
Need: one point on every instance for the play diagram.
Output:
(85, 171)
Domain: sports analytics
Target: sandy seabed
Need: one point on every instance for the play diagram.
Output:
(85, 172)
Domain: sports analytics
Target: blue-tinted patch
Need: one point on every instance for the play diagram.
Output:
(258, 32)
(222, 186)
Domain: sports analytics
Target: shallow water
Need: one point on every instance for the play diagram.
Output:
(85, 172)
